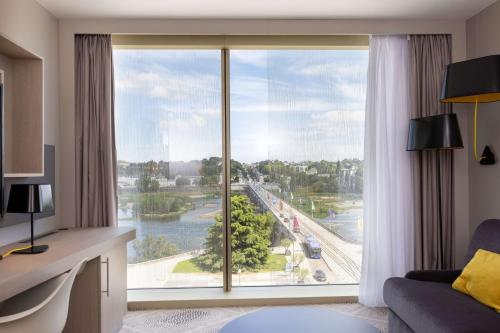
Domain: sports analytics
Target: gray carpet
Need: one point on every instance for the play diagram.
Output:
(211, 320)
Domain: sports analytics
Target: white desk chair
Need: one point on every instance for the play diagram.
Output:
(41, 309)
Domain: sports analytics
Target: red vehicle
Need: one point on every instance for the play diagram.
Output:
(296, 224)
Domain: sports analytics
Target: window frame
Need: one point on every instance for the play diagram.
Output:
(226, 43)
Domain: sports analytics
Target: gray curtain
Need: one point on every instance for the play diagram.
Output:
(96, 197)
(432, 170)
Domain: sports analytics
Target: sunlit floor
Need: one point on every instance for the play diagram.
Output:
(211, 320)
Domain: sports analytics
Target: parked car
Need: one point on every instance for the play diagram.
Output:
(319, 275)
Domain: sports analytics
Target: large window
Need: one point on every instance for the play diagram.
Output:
(295, 132)
(297, 124)
(169, 145)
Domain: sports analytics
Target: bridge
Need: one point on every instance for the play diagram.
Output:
(342, 258)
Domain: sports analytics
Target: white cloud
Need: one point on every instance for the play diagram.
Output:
(251, 57)
(189, 121)
(339, 116)
(174, 86)
(336, 69)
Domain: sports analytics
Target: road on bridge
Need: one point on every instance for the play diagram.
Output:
(341, 257)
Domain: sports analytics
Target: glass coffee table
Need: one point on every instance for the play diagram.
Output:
(297, 319)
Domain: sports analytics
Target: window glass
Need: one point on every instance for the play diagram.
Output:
(169, 147)
(297, 124)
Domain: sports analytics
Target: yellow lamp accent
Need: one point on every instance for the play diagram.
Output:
(482, 98)
(475, 132)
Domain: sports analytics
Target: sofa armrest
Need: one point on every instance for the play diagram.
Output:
(443, 276)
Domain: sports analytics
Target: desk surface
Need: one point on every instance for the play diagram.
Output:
(66, 249)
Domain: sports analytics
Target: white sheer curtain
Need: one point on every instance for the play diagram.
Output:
(388, 204)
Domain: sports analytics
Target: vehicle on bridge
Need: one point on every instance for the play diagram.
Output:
(296, 225)
(313, 248)
(319, 275)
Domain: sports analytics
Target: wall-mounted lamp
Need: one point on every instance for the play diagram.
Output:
(434, 133)
(473, 81)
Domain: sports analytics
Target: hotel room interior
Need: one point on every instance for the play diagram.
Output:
(249, 166)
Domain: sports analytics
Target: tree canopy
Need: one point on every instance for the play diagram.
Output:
(152, 247)
(250, 238)
(146, 184)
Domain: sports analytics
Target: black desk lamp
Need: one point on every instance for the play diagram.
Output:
(30, 198)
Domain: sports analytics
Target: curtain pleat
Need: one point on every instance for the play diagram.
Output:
(429, 55)
(96, 182)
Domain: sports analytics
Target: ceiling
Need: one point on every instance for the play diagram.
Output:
(266, 9)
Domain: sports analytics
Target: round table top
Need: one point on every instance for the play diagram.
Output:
(297, 320)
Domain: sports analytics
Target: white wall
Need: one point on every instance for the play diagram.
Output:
(483, 39)
(26, 23)
(67, 29)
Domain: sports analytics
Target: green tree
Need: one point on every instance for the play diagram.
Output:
(146, 184)
(301, 275)
(182, 181)
(318, 186)
(237, 169)
(298, 259)
(211, 168)
(160, 203)
(286, 243)
(250, 238)
(153, 247)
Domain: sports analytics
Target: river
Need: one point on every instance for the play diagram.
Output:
(188, 233)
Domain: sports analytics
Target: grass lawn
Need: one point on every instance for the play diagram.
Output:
(187, 266)
(276, 262)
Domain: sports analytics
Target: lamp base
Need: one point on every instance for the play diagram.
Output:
(33, 250)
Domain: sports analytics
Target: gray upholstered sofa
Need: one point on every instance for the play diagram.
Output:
(424, 301)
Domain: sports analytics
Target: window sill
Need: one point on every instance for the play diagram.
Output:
(144, 299)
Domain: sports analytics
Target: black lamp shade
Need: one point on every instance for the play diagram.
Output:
(30, 198)
(434, 132)
(472, 80)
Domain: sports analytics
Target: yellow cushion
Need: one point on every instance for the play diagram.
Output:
(481, 279)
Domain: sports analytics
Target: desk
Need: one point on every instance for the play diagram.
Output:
(99, 295)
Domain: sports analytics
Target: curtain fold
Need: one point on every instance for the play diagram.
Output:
(429, 55)
(96, 197)
(387, 195)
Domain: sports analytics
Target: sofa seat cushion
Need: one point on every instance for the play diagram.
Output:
(434, 307)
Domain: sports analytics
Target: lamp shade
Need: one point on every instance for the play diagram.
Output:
(434, 132)
(30, 198)
(472, 80)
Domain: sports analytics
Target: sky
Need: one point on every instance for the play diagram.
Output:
(290, 105)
